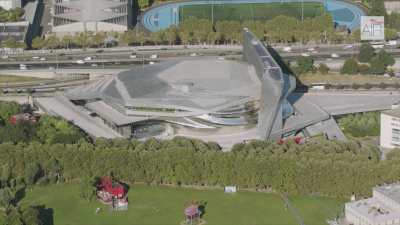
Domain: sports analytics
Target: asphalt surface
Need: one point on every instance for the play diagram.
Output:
(112, 58)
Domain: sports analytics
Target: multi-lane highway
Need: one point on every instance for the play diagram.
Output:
(117, 57)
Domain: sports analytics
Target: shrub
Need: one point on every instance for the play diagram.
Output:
(377, 66)
(364, 69)
(323, 68)
(350, 66)
(382, 85)
(367, 86)
(355, 86)
(367, 52)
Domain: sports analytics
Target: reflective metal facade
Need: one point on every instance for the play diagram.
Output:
(275, 87)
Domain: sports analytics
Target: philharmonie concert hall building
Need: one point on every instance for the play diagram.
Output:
(203, 93)
(208, 98)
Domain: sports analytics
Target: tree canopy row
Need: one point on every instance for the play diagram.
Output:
(46, 130)
(319, 167)
(281, 29)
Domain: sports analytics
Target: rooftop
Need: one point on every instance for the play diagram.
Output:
(392, 112)
(188, 85)
(392, 191)
(374, 210)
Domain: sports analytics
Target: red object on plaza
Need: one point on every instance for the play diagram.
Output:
(23, 117)
(108, 189)
(298, 140)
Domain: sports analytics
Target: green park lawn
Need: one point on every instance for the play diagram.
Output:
(164, 206)
(334, 78)
(16, 79)
(248, 11)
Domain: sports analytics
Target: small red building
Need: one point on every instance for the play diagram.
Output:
(112, 193)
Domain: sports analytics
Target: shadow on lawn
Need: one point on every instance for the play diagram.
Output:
(202, 208)
(46, 214)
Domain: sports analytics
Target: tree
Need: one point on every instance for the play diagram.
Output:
(350, 66)
(82, 39)
(367, 52)
(323, 68)
(31, 216)
(99, 38)
(88, 188)
(66, 41)
(127, 38)
(386, 58)
(33, 172)
(9, 43)
(377, 66)
(38, 43)
(52, 42)
(390, 34)
(7, 109)
(14, 217)
(364, 69)
(377, 8)
(141, 38)
(6, 197)
(171, 35)
(53, 130)
(304, 64)
(143, 3)
(157, 37)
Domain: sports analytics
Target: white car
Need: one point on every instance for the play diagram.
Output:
(305, 54)
(311, 49)
(42, 59)
(377, 46)
(94, 65)
(35, 57)
(23, 67)
(348, 47)
(334, 55)
(133, 56)
(151, 63)
(287, 49)
(154, 56)
(391, 43)
(80, 61)
(193, 54)
(88, 58)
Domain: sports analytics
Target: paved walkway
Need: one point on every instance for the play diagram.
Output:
(292, 209)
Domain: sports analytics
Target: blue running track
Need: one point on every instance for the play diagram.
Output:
(166, 15)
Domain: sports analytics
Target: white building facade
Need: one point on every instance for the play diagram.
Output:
(73, 16)
(390, 129)
(10, 4)
(383, 208)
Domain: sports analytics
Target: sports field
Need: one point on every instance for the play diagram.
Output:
(164, 206)
(250, 11)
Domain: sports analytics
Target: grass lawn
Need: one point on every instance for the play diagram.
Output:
(164, 206)
(16, 79)
(346, 79)
(248, 11)
(317, 207)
